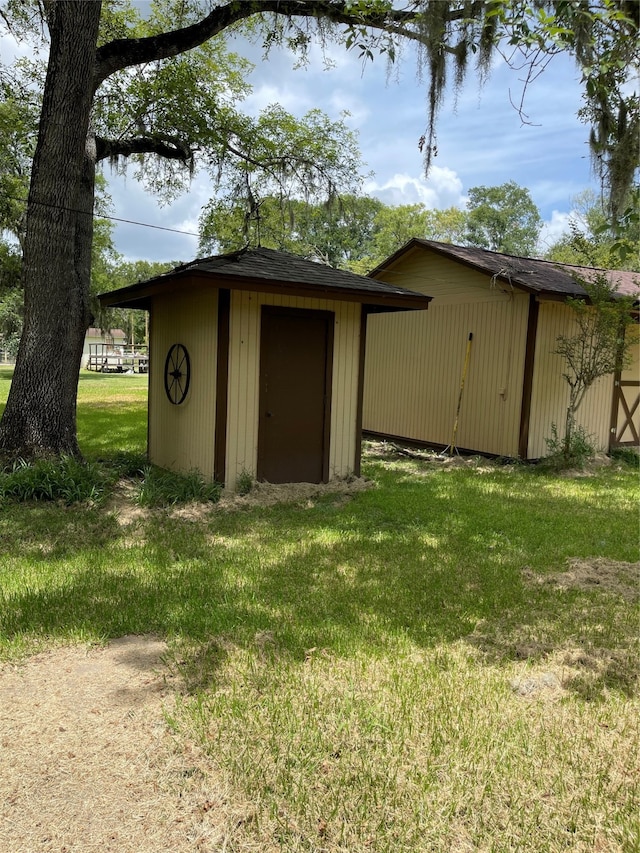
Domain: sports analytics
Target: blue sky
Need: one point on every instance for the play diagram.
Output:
(482, 140)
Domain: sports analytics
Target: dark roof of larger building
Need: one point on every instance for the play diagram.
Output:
(531, 274)
(271, 271)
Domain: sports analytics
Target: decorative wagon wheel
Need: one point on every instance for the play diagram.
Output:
(177, 374)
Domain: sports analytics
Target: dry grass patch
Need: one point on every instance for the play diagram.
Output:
(610, 576)
(426, 751)
(89, 764)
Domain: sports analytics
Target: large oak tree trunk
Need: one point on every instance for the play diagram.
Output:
(40, 417)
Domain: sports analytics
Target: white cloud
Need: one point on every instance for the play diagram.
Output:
(553, 229)
(442, 189)
(267, 94)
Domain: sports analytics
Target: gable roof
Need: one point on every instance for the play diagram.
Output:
(268, 270)
(547, 278)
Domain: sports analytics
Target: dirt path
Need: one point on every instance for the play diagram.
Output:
(87, 760)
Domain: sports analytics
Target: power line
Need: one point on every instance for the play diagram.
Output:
(106, 216)
(148, 225)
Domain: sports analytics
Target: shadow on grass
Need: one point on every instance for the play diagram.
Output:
(421, 561)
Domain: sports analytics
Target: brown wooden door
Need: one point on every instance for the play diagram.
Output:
(625, 413)
(625, 424)
(296, 354)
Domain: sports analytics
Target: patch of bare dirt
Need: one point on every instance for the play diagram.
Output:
(306, 494)
(610, 576)
(88, 762)
(433, 460)
(262, 494)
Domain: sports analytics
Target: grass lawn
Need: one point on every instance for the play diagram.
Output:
(448, 661)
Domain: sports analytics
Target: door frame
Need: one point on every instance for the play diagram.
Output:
(329, 317)
(624, 406)
(623, 409)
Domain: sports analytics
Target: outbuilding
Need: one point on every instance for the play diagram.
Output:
(257, 363)
(478, 371)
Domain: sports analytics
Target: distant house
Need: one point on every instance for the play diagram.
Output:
(256, 364)
(514, 309)
(112, 339)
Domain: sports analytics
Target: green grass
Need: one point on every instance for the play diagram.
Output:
(408, 671)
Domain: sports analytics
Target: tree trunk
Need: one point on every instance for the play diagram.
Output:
(40, 417)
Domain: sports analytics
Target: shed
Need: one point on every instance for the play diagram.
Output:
(257, 363)
(97, 337)
(513, 391)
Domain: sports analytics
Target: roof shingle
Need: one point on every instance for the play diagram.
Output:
(273, 270)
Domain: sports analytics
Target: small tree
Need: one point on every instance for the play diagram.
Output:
(597, 348)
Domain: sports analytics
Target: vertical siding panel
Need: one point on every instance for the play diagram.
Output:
(182, 437)
(233, 390)
(414, 365)
(345, 395)
(550, 392)
(242, 424)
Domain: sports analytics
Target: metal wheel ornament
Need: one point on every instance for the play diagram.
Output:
(177, 374)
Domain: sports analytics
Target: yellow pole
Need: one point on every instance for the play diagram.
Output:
(452, 446)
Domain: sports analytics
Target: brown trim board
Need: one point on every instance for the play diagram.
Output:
(138, 295)
(150, 395)
(222, 386)
(527, 377)
(357, 462)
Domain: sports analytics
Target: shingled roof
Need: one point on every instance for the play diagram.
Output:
(271, 271)
(541, 277)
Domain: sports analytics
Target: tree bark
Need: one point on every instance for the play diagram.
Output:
(40, 417)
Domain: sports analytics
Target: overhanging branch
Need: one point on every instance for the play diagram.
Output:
(123, 53)
(169, 148)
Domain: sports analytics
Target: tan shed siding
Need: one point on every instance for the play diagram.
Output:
(448, 282)
(242, 405)
(181, 437)
(344, 408)
(550, 391)
(244, 379)
(414, 364)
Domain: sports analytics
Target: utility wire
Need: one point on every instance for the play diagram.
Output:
(106, 216)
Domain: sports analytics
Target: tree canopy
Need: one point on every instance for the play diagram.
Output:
(593, 240)
(503, 219)
(355, 232)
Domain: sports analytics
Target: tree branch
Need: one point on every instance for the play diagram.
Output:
(169, 148)
(123, 53)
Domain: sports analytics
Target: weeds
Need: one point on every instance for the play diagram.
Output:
(627, 456)
(165, 488)
(244, 482)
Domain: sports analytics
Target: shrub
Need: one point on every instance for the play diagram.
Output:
(572, 451)
(627, 455)
(66, 479)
